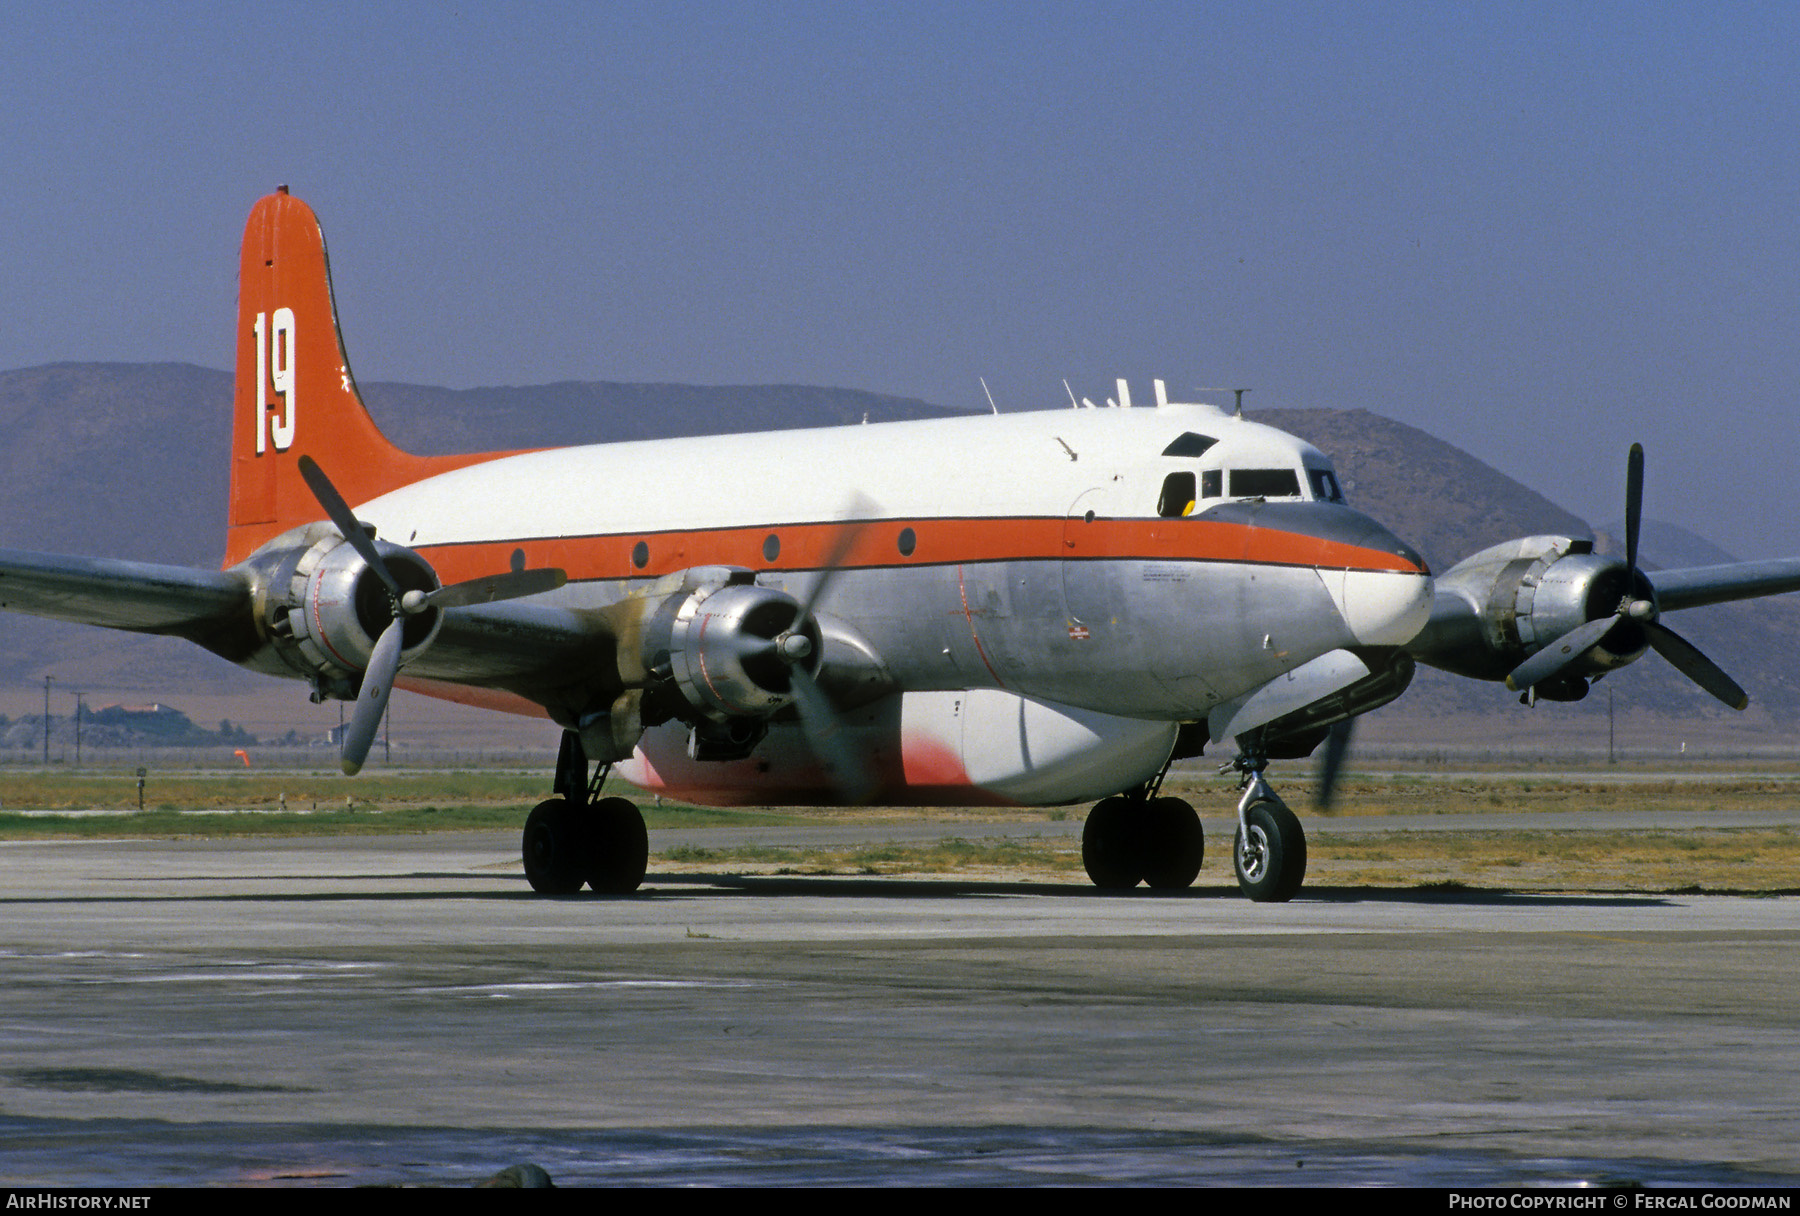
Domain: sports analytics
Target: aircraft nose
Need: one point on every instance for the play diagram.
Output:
(1381, 608)
(1379, 584)
(1385, 600)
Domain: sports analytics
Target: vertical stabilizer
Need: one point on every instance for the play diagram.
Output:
(294, 394)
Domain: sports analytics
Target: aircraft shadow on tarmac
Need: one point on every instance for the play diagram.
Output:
(703, 886)
(891, 888)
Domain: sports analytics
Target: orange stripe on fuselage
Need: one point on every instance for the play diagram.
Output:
(809, 546)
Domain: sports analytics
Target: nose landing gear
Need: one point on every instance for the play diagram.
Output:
(1269, 851)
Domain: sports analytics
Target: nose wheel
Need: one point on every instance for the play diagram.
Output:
(1269, 851)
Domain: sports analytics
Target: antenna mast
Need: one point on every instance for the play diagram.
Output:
(1238, 392)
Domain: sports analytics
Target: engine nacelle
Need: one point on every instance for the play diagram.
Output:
(322, 608)
(1499, 607)
(729, 647)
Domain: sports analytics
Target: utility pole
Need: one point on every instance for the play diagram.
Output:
(47, 680)
(78, 708)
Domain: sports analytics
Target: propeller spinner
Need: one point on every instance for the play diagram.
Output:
(819, 721)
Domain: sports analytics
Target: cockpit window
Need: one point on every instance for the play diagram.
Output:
(1325, 486)
(1211, 483)
(1190, 444)
(1177, 496)
(1265, 483)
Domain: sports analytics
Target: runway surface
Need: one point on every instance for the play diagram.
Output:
(402, 1010)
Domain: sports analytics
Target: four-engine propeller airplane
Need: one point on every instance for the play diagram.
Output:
(1037, 608)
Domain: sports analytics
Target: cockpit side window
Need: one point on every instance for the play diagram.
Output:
(1212, 483)
(1265, 483)
(1177, 496)
(1325, 485)
(1190, 444)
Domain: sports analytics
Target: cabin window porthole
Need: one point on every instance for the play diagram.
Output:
(908, 542)
(640, 555)
(1089, 517)
(771, 547)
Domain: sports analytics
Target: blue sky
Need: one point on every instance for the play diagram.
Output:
(1539, 231)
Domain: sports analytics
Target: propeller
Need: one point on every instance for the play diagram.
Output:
(1680, 653)
(384, 660)
(819, 722)
(1331, 764)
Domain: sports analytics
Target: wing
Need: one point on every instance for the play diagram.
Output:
(526, 648)
(1702, 585)
(211, 607)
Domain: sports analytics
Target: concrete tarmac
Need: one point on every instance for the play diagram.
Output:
(403, 1010)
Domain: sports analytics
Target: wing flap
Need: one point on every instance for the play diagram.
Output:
(532, 649)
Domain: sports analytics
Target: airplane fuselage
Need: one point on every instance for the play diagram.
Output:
(1097, 560)
(1022, 552)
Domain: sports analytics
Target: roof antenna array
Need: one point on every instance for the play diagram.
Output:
(1239, 412)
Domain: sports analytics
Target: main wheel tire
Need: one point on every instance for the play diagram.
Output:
(1109, 846)
(1173, 843)
(1271, 862)
(617, 849)
(552, 848)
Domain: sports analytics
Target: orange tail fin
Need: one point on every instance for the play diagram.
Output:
(294, 393)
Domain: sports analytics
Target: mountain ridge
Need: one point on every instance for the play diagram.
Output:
(130, 460)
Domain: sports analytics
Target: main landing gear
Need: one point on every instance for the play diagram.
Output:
(1139, 837)
(578, 838)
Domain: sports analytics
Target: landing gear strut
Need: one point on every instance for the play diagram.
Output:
(1138, 837)
(578, 838)
(1269, 852)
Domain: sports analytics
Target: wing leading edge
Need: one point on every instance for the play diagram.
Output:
(1703, 585)
(211, 607)
(530, 649)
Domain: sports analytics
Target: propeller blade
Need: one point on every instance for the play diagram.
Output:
(1634, 502)
(1687, 659)
(486, 590)
(825, 735)
(1559, 654)
(860, 508)
(371, 703)
(344, 519)
(1331, 764)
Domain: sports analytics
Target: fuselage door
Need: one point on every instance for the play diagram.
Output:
(1088, 538)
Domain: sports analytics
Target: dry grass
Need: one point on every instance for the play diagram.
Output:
(1701, 859)
(1755, 860)
(1748, 859)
